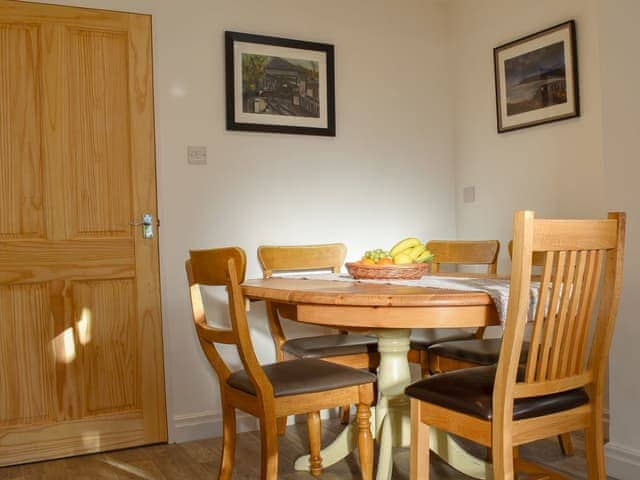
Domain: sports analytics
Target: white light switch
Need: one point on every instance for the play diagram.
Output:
(197, 155)
(469, 194)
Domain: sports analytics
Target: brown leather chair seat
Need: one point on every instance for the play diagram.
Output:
(481, 352)
(470, 391)
(424, 344)
(323, 346)
(296, 377)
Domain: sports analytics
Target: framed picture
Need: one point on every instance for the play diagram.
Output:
(279, 85)
(537, 78)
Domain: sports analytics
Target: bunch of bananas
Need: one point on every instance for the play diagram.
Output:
(410, 250)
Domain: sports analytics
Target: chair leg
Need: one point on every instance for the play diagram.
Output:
(281, 423)
(566, 444)
(503, 461)
(424, 364)
(345, 414)
(593, 443)
(269, 441)
(314, 434)
(419, 457)
(365, 441)
(228, 442)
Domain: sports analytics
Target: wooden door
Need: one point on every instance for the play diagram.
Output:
(80, 329)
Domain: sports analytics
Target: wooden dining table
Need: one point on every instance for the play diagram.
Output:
(388, 311)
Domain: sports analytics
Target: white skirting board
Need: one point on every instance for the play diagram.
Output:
(623, 463)
(208, 424)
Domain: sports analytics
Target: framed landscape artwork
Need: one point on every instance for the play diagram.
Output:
(537, 78)
(279, 85)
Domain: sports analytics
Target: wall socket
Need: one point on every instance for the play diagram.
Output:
(469, 194)
(196, 155)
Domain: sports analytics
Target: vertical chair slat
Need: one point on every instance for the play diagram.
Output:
(594, 280)
(566, 291)
(538, 326)
(590, 285)
(569, 344)
(552, 312)
(582, 317)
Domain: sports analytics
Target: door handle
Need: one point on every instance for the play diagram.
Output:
(146, 224)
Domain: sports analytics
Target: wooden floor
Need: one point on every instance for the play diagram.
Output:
(199, 460)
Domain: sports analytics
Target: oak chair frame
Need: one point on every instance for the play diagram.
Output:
(300, 258)
(456, 252)
(226, 267)
(439, 364)
(538, 260)
(569, 345)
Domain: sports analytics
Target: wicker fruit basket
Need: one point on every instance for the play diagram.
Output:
(409, 271)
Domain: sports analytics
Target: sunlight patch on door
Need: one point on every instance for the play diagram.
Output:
(83, 326)
(64, 346)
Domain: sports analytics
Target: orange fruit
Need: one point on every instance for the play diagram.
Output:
(385, 261)
(367, 261)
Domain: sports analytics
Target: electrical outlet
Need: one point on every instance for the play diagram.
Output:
(469, 194)
(197, 155)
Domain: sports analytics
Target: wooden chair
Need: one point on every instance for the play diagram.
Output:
(356, 351)
(458, 253)
(560, 387)
(449, 356)
(276, 390)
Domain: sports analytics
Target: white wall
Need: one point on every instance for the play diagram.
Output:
(554, 169)
(387, 174)
(579, 167)
(621, 147)
(369, 186)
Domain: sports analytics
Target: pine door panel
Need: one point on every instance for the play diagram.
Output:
(21, 169)
(26, 388)
(80, 329)
(105, 318)
(100, 145)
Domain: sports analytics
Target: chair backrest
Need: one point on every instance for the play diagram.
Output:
(464, 252)
(569, 344)
(537, 260)
(224, 267)
(296, 258)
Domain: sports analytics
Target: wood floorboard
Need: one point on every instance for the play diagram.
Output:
(199, 460)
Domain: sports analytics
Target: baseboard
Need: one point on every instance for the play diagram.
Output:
(623, 463)
(208, 424)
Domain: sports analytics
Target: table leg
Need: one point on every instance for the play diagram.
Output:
(394, 375)
(393, 420)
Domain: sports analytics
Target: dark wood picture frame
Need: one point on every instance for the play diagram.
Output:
(536, 78)
(288, 88)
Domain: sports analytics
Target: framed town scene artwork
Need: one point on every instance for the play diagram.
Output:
(537, 78)
(279, 85)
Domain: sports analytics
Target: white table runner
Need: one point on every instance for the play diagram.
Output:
(496, 288)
